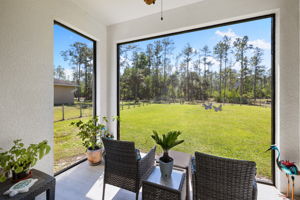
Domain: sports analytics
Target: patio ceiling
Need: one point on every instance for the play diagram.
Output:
(116, 11)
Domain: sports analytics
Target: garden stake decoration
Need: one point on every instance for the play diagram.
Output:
(207, 107)
(219, 108)
(288, 167)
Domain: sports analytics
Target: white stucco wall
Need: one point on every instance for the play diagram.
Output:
(26, 67)
(211, 12)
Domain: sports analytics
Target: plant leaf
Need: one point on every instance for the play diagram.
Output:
(18, 169)
(2, 178)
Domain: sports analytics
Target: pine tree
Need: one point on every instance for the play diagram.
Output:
(241, 47)
(256, 61)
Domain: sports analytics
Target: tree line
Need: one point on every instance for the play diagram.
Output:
(80, 57)
(154, 74)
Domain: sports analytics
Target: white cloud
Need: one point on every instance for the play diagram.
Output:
(236, 66)
(261, 44)
(125, 60)
(194, 50)
(228, 33)
(212, 60)
(69, 74)
(215, 63)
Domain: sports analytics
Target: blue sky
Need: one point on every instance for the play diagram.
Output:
(258, 31)
(63, 38)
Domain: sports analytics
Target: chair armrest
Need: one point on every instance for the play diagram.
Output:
(194, 183)
(193, 172)
(254, 192)
(146, 164)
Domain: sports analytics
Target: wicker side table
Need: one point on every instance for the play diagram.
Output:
(182, 161)
(157, 188)
(45, 183)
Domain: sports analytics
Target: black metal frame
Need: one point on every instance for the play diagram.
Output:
(273, 53)
(273, 105)
(94, 84)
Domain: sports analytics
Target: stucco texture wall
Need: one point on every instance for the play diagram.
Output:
(26, 67)
(213, 12)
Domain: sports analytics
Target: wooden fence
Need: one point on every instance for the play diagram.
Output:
(131, 105)
(68, 112)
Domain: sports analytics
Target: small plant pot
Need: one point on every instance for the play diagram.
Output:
(6, 174)
(17, 177)
(166, 168)
(94, 156)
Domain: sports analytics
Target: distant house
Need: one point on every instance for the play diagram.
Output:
(64, 92)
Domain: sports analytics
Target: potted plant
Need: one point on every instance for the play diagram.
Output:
(90, 133)
(167, 142)
(19, 160)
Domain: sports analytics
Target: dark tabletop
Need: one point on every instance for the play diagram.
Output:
(44, 182)
(181, 159)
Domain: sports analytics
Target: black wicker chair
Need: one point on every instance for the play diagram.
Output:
(123, 168)
(215, 178)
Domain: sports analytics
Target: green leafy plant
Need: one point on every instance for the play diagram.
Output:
(19, 159)
(167, 142)
(91, 131)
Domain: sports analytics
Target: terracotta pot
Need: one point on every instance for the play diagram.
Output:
(94, 156)
(17, 177)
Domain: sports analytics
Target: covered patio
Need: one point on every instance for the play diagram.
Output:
(85, 182)
(27, 83)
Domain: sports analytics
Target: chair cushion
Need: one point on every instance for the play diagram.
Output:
(138, 154)
(254, 193)
(193, 167)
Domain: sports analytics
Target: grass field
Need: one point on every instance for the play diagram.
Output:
(68, 148)
(241, 132)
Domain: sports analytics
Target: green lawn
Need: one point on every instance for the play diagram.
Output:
(68, 148)
(241, 132)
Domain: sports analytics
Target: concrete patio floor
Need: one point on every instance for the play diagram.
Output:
(85, 182)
